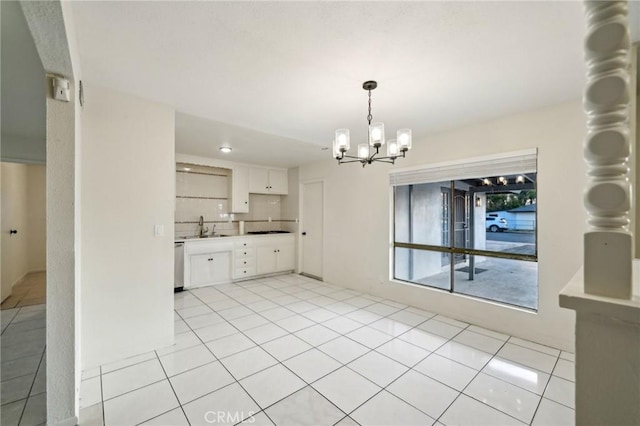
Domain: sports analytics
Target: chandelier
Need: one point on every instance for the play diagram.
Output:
(370, 152)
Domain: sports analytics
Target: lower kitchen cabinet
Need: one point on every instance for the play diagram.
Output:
(210, 268)
(223, 260)
(275, 254)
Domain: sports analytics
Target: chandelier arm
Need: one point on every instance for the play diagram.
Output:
(350, 161)
(351, 156)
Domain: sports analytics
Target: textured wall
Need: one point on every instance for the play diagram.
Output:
(128, 187)
(357, 221)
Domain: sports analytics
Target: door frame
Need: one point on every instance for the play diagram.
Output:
(301, 185)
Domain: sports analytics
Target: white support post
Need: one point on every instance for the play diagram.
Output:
(608, 246)
(608, 250)
(607, 310)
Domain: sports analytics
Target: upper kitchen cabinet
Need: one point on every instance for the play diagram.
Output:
(240, 189)
(268, 181)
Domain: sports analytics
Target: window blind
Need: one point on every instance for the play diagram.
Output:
(479, 167)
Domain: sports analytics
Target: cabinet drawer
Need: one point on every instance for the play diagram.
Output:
(244, 272)
(240, 244)
(246, 262)
(245, 252)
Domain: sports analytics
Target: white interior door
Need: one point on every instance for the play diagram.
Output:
(312, 228)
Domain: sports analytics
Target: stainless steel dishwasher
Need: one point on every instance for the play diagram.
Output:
(178, 279)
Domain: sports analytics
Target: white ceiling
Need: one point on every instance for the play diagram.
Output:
(273, 75)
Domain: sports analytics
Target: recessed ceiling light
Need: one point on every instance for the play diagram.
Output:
(225, 149)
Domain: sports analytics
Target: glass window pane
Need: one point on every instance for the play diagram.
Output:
(422, 213)
(496, 217)
(424, 267)
(502, 280)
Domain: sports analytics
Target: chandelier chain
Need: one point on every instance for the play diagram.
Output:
(369, 117)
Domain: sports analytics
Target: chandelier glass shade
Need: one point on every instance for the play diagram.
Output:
(369, 152)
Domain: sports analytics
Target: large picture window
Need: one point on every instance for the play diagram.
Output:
(469, 228)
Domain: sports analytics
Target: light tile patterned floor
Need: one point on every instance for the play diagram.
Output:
(23, 369)
(30, 290)
(289, 350)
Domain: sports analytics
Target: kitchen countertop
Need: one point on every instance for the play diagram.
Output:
(229, 237)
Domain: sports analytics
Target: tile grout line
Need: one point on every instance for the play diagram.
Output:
(172, 389)
(431, 352)
(408, 370)
(223, 366)
(277, 362)
(461, 392)
(32, 383)
(104, 420)
(243, 292)
(346, 365)
(545, 389)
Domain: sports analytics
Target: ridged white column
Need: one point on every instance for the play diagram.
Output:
(608, 244)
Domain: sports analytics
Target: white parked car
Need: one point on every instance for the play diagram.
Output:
(496, 224)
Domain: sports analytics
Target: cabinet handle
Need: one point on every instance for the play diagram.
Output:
(245, 252)
(246, 202)
(245, 244)
(275, 251)
(245, 263)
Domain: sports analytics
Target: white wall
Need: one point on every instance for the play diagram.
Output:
(37, 218)
(357, 221)
(23, 208)
(128, 186)
(14, 216)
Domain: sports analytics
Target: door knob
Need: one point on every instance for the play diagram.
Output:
(13, 231)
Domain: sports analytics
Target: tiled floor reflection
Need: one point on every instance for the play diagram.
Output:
(289, 350)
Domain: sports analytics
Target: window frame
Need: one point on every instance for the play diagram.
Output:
(451, 250)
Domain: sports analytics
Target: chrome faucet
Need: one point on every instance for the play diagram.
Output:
(203, 229)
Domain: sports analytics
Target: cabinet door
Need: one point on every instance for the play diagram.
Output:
(266, 260)
(240, 189)
(210, 268)
(221, 267)
(286, 257)
(201, 270)
(278, 182)
(258, 180)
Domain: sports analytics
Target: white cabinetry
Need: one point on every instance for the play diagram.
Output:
(223, 260)
(210, 268)
(245, 259)
(268, 181)
(240, 189)
(207, 262)
(275, 254)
